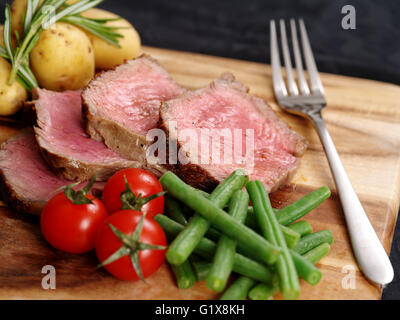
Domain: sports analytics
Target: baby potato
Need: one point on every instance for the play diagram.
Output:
(18, 8)
(106, 55)
(63, 58)
(11, 97)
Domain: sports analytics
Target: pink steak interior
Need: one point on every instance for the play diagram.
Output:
(62, 128)
(224, 108)
(131, 94)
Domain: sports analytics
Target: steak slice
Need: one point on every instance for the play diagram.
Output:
(122, 105)
(226, 105)
(60, 133)
(26, 181)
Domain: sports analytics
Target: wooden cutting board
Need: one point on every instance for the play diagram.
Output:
(364, 119)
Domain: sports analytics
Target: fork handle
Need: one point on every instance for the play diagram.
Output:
(368, 250)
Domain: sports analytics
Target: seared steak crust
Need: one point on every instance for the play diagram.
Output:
(119, 139)
(16, 202)
(193, 174)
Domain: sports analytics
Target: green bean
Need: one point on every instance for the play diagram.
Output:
(314, 240)
(250, 211)
(263, 292)
(292, 237)
(302, 227)
(316, 254)
(211, 233)
(267, 252)
(306, 269)
(206, 249)
(201, 269)
(301, 207)
(269, 225)
(238, 290)
(215, 235)
(173, 210)
(251, 220)
(184, 275)
(182, 247)
(226, 248)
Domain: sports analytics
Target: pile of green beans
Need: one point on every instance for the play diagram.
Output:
(184, 244)
(206, 249)
(270, 228)
(226, 249)
(267, 247)
(211, 213)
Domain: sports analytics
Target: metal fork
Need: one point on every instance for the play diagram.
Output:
(308, 101)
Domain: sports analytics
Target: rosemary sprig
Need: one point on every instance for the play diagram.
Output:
(25, 76)
(7, 32)
(97, 28)
(36, 17)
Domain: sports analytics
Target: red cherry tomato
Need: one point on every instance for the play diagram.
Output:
(70, 227)
(107, 243)
(141, 182)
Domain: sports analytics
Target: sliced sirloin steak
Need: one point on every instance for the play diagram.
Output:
(26, 182)
(225, 104)
(60, 133)
(122, 105)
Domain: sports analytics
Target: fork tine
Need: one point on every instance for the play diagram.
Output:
(297, 57)
(288, 63)
(315, 81)
(277, 79)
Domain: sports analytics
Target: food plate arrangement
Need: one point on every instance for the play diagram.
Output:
(76, 274)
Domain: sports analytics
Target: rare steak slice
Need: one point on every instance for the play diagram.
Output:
(60, 133)
(122, 105)
(240, 124)
(26, 181)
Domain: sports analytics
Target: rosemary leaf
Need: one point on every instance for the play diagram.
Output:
(3, 53)
(7, 33)
(72, 8)
(28, 15)
(87, 6)
(97, 29)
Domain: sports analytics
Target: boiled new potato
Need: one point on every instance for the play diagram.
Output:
(63, 58)
(11, 97)
(18, 8)
(106, 55)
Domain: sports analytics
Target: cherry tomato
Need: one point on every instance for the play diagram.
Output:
(107, 243)
(141, 182)
(70, 227)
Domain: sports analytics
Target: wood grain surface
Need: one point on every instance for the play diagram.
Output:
(363, 117)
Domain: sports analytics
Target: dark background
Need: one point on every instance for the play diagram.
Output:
(240, 29)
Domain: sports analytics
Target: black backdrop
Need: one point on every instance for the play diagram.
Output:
(239, 29)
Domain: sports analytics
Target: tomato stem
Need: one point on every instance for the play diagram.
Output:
(130, 246)
(132, 202)
(79, 197)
